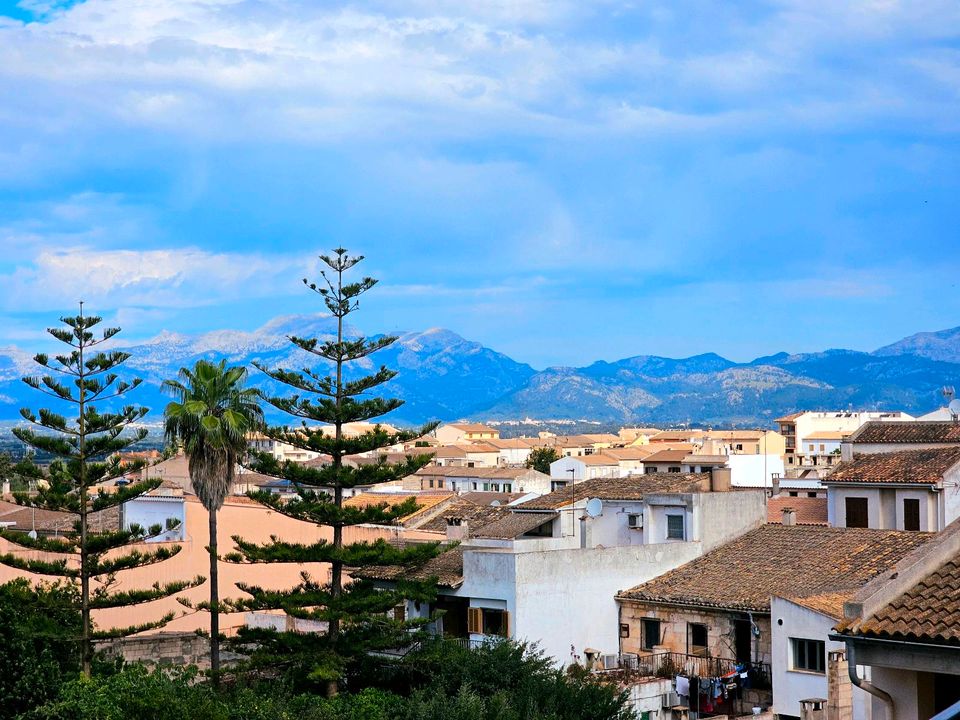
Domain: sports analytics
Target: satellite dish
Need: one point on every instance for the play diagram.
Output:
(32, 534)
(495, 503)
(594, 507)
(954, 407)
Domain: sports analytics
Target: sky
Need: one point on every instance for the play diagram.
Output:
(561, 180)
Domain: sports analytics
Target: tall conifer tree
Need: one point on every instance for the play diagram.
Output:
(358, 615)
(87, 450)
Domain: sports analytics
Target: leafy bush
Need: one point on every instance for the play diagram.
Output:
(139, 693)
(39, 642)
(501, 680)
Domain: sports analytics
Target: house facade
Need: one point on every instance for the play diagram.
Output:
(718, 606)
(453, 433)
(902, 490)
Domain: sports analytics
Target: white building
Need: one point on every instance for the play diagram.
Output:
(479, 479)
(571, 469)
(903, 490)
(803, 656)
(797, 426)
(549, 572)
(163, 506)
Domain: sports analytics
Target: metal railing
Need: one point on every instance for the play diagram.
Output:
(670, 664)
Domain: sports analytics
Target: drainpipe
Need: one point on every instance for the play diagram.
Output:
(866, 685)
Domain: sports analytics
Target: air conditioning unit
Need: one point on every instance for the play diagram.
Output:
(671, 699)
(610, 661)
(635, 521)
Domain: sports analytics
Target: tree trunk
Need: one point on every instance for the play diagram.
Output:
(214, 603)
(86, 644)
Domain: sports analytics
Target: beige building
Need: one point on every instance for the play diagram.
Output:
(797, 426)
(453, 433)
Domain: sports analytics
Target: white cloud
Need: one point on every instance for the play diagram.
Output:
(230, 69)
(162, 278)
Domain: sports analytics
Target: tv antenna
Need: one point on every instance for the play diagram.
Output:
(954, 408)
(948, 394)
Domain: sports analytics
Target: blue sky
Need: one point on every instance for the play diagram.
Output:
(562, 181)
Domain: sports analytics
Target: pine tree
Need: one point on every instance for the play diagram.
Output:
(357, 614)
(87, 450)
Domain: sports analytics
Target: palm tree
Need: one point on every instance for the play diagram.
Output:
(210, 419)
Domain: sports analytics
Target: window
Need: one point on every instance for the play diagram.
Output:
(739, 446)
(793, 493)
(822, 447)
(430, 483)
(911, 514)
(507, 487)
(808, 655)
(474, 486)
(810, 446)
(696, 639)
(650, 629)
(485, 621)
(675, 527)
(557, 484)
(857, 516)
(495, 487)
(811, 494)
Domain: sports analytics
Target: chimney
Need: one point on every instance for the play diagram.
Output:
(457, 528)
(720, 479)
(6, 487)
(789, 516)
(774, 484)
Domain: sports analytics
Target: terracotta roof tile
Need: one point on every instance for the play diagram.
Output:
(50, 521)
(787, 561)
(827, 603)
(425, 501)
(878, 432)
(927, 612)
(447, 568)
(921, 467)
(632, 487)
(512, 525)
(475, 514)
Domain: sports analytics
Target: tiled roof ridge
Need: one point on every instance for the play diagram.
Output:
(745, 572)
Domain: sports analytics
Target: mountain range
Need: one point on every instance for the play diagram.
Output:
(444, 376)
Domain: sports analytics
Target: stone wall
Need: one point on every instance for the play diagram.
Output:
(175, 648)
(673, 629)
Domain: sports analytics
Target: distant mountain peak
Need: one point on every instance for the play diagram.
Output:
(942, 345)
(444, 376)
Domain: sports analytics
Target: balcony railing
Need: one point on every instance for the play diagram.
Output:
(668, 665)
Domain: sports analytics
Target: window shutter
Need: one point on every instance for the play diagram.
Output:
(475, 621)
(506, 624)
(400, 612)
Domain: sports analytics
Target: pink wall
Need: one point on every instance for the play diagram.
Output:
(239, 516)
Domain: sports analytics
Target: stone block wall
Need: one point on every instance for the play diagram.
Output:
(180, 648)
